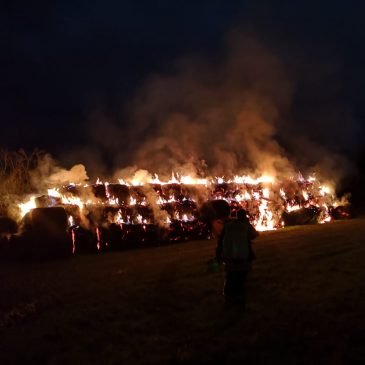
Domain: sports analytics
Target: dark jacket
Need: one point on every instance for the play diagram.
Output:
(234, 245)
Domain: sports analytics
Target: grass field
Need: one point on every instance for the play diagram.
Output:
(305, 304)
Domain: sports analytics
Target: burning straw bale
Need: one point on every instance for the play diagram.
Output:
(112, 216)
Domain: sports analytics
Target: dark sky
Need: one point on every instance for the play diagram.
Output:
(64, 61)
(62, 57)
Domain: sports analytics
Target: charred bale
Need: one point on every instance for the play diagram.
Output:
(134, 235)
(74, 211)
(83, 192)
(144, 211)
(195, 230)
(137, 193)
(45, 201)
(157, 188)
(84, 240)
(213, 210)
(151, 233)
(44, 234)
(112, 237)
(172, 190)
(120, 192)
(177, 232)
(170, 208)
(96, 215)
(188, 207)
(198, 193)
(301, 216)
(99, 191)
(341, 212)
(220, 189)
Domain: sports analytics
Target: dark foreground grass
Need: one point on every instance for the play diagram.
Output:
(160, 305)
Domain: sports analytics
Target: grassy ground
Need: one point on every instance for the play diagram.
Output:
(159, 305)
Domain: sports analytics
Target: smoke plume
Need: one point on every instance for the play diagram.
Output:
(235, 114)
(221, 115)
(48, 174)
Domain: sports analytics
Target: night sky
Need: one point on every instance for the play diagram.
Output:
(63, 57)
(70, 67)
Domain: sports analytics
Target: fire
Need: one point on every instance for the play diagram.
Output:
(54, 193)
(292, 208)
(251, 181)
(73, 201)
(265, 198)
(324, 190)
(188, 180)
(119, 218)
(244, 196)
(265, 221)
(71, 221)
(27, 206)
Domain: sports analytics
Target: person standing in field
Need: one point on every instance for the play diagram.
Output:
(235, 251)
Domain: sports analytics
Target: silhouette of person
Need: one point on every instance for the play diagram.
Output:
(235, 251)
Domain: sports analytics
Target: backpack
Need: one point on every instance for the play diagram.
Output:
(235, 241)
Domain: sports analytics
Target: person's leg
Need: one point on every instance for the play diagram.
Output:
(241, 288)
(234, 289)
(229, 289)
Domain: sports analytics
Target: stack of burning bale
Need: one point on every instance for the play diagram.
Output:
(117, 216)
(103, 216)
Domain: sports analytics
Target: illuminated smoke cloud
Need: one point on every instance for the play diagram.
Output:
(48, 174)
(222, 115)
